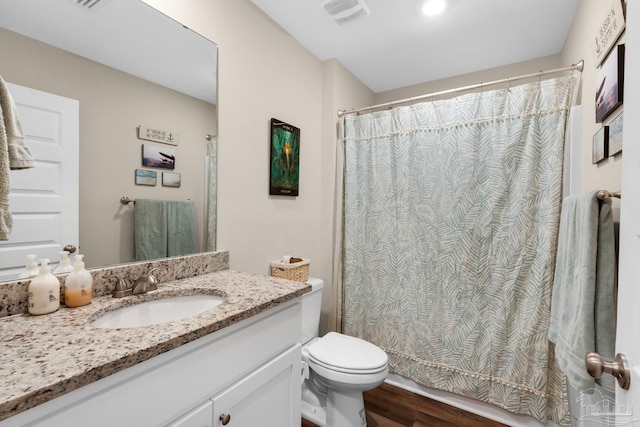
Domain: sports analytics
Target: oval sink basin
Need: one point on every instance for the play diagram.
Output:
(157, 311)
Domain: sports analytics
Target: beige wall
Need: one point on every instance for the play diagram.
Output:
(112, 105)
(264, 73)
(606, 174)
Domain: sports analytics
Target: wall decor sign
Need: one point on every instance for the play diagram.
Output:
(171, 179)
(615, 135)
(146, 177)
(610, 84)
(600, 145)
(609, 32)
(284, 170)
(158, 135)
(154, 156)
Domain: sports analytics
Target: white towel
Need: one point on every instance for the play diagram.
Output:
(14, 154)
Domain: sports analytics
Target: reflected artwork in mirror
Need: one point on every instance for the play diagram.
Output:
(122, 63)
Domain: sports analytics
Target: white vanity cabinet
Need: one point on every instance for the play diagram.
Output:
(243, 375)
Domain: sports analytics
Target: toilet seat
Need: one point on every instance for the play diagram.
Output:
(345, 354)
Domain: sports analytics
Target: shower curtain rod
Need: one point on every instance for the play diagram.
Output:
(579, 67)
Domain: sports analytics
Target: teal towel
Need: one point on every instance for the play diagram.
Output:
(150, 232)
(583, 303)
(181, 227)
(164, 228)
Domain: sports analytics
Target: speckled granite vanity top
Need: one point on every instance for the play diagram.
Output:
(43, 357)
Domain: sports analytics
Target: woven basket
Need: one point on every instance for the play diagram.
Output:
(297, 271)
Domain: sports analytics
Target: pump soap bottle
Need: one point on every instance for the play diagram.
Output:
(78, 287)
(65, 264)
(32, 267)
(44, 291)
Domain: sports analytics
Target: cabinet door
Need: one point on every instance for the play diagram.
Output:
(202, 416)
(268, 397)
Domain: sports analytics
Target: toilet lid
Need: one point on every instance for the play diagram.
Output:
(343, 352)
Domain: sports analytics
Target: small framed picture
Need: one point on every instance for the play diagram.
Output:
(615, 135)
(171, 179)
(154, 156)
(145, 177)
(610, 84)
(284, 166)
(600, 145)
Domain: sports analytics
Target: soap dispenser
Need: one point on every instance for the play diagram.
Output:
(32, 267)
(44, 291)
(65, 264)
(78, 287)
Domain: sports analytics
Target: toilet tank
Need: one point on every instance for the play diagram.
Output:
(311, 305)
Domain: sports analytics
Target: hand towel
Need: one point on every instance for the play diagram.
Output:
(583, 304)
(14, 154)
(150, 229)
(181, 227)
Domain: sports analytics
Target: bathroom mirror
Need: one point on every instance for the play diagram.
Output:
(128, 65)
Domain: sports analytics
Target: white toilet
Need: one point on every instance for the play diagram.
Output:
(336, 368)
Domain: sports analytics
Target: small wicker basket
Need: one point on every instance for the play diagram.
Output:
(297, 271)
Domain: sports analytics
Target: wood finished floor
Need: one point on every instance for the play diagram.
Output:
(389, 406)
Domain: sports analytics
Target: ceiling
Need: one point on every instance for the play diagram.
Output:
(126, 35)
(396, 46)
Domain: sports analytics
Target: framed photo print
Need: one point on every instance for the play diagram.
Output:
(145, 177)
(284, 168)
(600, 145)
(154, 156)
(610, 84)
(615, 135)
(171, 179)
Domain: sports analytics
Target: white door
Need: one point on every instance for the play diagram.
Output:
(628, 323)
(43, 200)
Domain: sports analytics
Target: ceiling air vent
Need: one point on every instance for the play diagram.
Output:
(344, 11)
(89, 3)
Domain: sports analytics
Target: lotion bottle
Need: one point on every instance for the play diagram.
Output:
(78, 287)
(65, 264)
(32, 267)
(44, 291)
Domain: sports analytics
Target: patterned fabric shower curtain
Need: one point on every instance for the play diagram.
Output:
(451, 214)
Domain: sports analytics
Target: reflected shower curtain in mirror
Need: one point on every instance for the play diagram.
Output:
(451, 214)
(212, 197)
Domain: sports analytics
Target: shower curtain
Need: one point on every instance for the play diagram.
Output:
(451, 211)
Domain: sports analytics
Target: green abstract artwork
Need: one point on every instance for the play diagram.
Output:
(285, 159)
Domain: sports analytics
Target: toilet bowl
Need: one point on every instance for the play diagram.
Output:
(337, 369)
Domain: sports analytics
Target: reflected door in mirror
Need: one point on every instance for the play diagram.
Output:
(43, 200)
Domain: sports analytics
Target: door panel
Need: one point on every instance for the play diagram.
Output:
(43, 200)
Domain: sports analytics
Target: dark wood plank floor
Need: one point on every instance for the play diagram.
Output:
(389, 406)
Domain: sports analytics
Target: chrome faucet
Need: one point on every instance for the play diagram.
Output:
(143, 284)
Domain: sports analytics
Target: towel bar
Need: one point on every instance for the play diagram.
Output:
(604, 194)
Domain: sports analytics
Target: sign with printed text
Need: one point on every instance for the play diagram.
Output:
(609, 32)
(158, 135)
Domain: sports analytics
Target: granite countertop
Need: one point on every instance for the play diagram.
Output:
(44, 357)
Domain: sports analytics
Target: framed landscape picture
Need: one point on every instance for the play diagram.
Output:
(610, 84)
(615, 135)
(600, 145)
(284, 168)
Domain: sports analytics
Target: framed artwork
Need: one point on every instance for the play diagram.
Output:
(154, 156)
(284, 170)
(145, 177)
(615, 135)
(610, 84)
(171, 179)
(600, 145)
